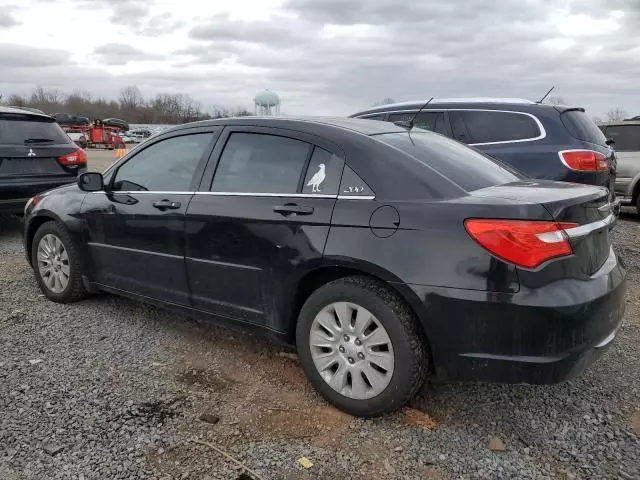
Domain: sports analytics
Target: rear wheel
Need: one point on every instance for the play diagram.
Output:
(638, 204)
(360, 346)
(55, 260)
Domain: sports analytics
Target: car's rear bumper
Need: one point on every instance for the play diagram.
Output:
(543, 335)
(13, 205)
(15, 192)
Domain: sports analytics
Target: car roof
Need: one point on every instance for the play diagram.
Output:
(619, 123)
(488, 103)
(356, 125)
(22, 112)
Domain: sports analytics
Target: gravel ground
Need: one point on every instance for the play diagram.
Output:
(112, 389)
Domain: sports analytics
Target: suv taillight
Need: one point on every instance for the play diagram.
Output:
(584, 160)
(79, 157)
(521, 242)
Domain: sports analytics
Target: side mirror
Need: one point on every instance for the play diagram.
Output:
(91, 182)
(610, 141)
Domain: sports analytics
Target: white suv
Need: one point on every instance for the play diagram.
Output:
(626, 137)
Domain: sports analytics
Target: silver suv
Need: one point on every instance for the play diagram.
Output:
(626, 135)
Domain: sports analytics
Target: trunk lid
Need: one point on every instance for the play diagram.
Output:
(587, 206)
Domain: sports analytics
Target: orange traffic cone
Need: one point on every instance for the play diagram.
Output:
(121, 152)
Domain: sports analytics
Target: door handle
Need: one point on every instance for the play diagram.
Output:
(166, 205)
(291, 208)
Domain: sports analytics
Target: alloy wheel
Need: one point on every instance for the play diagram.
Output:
(53, 263)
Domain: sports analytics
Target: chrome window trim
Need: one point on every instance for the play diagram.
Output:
(543, 132)
(267, 194)
(243, 194)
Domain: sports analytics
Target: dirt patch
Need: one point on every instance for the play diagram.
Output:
(635, 422)
(204, 378)
(417, 418)
(156, 412)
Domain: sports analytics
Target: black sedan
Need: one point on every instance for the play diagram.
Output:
(383, 254)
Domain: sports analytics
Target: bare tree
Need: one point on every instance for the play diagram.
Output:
(384, 101)
(131, 98)
(556, 100)
(164, 108)
(616, 114)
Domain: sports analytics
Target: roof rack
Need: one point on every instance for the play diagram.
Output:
(458, 100)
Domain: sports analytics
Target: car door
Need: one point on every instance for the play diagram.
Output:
(135, 228)
(260, 222)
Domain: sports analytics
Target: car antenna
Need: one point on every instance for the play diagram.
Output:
(546, 95)
(409, 125)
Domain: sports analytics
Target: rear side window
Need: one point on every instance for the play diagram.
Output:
(626, 137)
(473, 126)
(464, 166)
(25, 130)
(258, 163)
(580, 126)
(323, 173)
(353, 186)
(433, 121)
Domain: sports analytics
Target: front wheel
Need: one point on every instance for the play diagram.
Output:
(56, 263)
(360, 346)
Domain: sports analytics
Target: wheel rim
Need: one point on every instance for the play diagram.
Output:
(351, 350)
(53, 263)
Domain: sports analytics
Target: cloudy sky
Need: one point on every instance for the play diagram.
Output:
(327, 56)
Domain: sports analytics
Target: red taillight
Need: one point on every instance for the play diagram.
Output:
(79, 157)
(584, 160)
(521, 242)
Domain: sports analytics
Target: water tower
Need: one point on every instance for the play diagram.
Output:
(267, 103)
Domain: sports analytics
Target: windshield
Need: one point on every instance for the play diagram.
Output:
(464, 166)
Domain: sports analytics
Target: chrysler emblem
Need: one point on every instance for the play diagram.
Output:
(31, 153)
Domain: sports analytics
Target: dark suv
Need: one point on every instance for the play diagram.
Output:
(35, 155)
(542, 141)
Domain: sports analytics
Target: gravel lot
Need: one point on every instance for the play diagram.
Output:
(119, 388)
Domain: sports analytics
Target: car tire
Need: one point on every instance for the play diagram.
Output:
(638, 204)
(406, 366)
(53, 247)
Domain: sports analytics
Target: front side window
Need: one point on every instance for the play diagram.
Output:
(166, 166)
(626, 137)
(432, 121)
(473, 126)
(260, 163)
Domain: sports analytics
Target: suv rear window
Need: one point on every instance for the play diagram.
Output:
(25, 129)
(580, 126)
(626, 137)
(483, 126)
(464, 166)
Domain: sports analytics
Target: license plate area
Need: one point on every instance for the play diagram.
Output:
(29, 166)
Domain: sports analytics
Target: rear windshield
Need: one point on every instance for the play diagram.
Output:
(580, 126)
(626, 137)
(464, 166)
(26, 129)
